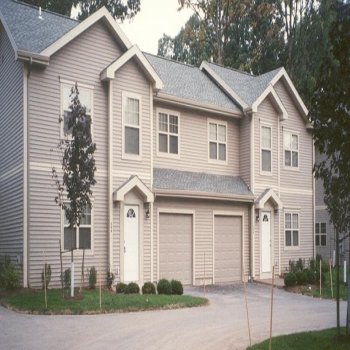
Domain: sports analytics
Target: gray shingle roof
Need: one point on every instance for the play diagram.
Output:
(170, 179)
(248, 87)
(189, 82)
(29, 32)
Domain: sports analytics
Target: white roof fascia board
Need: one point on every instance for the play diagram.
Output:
(30, 57)
(132, 183)
(206, 107)
(203, 195)
(301, 106)
(84, 25)
(205, 66)
(270, 194)
(8, 32)
(277, 102)
(109, 72)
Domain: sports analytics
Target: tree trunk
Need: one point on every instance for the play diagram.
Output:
(337, 278)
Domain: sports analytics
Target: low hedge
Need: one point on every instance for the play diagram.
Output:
(176, 287)
(132, 288)
(164, 287)
(148, 288)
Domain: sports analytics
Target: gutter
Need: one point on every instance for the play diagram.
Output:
(26, 56)
(206, 107)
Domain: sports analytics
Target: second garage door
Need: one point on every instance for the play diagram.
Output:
(228, 248)
(175, 246)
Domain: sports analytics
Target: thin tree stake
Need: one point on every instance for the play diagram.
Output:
(273, 281)
(204, 273)
(246, 307)
(320, 278)
(45, 280)
(61, 268)
(330, 272)
(100, 288)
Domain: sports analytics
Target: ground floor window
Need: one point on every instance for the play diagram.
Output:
(321, 234)
(78, 237)
(291, 224)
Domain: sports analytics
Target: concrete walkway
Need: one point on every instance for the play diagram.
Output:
(221, 325)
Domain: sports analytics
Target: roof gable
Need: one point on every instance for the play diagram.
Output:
(134, 52)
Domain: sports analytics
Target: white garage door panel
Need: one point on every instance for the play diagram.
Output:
(175, 247)
(228, 248)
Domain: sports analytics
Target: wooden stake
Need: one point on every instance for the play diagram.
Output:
(330, 272)
(320, 278)
(100, 288)
(61, 268)
(273, 282)
(246, 308)
(45, 280)
(204, 273)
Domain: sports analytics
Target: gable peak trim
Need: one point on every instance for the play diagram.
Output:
(133, 183)
(266, 196)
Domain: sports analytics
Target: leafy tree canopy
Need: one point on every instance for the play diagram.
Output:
(120, 9)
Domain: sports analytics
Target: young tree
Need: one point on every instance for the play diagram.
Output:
(78, 167)
(331, 118)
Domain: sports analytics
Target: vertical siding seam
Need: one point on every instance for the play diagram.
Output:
(25, 175)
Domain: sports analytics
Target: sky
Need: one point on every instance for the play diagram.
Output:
(155, 18)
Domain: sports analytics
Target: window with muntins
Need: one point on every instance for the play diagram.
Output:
(85, 98)
(291, 224)
(291, 150)
(168, 133)
(217, 141)
(78, 237)
(265, 149)
(131, 116)
(321, 234)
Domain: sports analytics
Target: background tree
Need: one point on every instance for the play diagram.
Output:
(120, 9)
(78, 166)
(331, 118)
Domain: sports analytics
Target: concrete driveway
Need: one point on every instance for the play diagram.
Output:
(221, 325)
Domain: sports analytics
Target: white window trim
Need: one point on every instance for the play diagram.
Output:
(168, 154)
(79, 252)
(290, 167)
(217, 122)
(264, 172)
(125, 95)
(320, 233)
(293, 247)
(69, 84)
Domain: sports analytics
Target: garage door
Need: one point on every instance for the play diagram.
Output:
(228, 235)
(175, 247)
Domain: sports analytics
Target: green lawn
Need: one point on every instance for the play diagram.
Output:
(33, 301)
(320, 340)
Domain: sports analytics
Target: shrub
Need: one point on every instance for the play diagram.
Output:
(301, 277)
(66, 278)
(176, 287)
(110, 279)
(164, 287)
(318, 257)
(148, 288)
(299, 264)
(120, 288)
(324, 266)
(310, 276)
(292, 267)
(312, 264)
(317, 277)
(92, 278)
(132, 288)
(290, 279)
(47, 276)
(9, 275)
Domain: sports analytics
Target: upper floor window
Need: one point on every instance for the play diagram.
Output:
(78, 237)
(291, 150)
(291, 224)
(266, 149)
(168, 133)
(85, 98)
(131, 124)
(321, 234)
(217, 141)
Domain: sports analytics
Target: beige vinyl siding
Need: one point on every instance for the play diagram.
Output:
(203, 235)
(193, 143)
(132, 80)
(266, 116)
(11, 155)
(319, 190)
(245, 149)
(300, 203)
(301, 178)
(81, 60)
(326, 251)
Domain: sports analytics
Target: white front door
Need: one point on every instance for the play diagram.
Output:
(265, 242)
(131, 243)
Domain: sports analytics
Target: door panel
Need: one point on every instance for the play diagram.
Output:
(266, 242)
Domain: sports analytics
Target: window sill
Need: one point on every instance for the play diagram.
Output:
(217, 161)
(266, 173)
(292, 247)
(168, 155)
(291, 168)
(137, 158)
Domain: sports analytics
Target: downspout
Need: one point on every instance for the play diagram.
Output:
(26, 74)
(313, 199)
(110, 172)
(252, 214)
(279, 193)
(151, 176)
